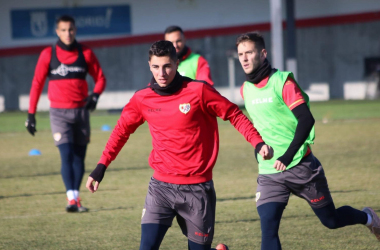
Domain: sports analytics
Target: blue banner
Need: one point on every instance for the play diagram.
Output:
(100, 20)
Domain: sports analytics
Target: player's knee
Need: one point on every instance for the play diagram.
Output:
(330, 223)
(149, 243)
(270, 216)
(271, 213)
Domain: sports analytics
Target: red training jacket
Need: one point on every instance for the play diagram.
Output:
(184, 130)
(67, 93)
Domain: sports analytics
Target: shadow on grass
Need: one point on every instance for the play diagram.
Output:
(347, 191)
(286, 217)
(61, 213)
(234, 221)
(50, 193)
(254, 196)
(59, 173)
(109, 209)
(236, 198)
(258, 219)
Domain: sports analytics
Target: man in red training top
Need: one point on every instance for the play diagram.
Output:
(67, 64)
(181, 114)
(191, 64)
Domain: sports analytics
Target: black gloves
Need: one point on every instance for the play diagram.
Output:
(98, 172)
(91, 101)
(30, 124)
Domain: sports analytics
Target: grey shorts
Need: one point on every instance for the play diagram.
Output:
(307, 180)
(193, 205)
(70, 126)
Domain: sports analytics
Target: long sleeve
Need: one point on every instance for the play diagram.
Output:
(95, 71)
(38, 82)
(127, 124)
(220, 106)
(305, 124)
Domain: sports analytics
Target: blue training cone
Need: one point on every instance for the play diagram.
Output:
(34, 152)
(106, 128)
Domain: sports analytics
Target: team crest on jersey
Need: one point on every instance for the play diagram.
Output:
(57, 136)
(184, 108)
(258, 196)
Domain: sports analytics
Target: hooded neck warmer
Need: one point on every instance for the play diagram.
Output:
(170, 89)
(260, 73)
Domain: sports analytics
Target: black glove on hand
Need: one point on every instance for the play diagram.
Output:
(30, 124)
(98, 172)
(91, 101)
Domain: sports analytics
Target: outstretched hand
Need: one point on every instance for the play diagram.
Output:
(90, 184)
(266, 152)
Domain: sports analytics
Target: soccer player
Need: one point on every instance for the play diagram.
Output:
(181, 114)
(191, 64)
(66, 64)
(280, 111)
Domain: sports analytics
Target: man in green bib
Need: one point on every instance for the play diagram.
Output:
(191, 65)
(280, 112)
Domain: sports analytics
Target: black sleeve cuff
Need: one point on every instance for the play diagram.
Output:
(257, 149)
(286, 159)
(98, 172)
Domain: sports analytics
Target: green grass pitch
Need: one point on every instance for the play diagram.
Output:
(32, 195)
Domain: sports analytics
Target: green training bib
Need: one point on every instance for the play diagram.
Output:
(273, 119)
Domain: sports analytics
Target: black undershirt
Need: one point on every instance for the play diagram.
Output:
(305, 124)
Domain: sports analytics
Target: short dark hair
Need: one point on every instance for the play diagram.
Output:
(173, 28)
(65, 18)
(254, 37)
(163, 48)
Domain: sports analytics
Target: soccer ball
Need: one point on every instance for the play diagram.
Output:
(221, 247)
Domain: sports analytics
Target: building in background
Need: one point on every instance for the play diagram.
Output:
(338, 41)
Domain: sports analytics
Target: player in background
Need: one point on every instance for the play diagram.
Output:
(181, 114)
(66, 64)
(191, 65)
(280, 111)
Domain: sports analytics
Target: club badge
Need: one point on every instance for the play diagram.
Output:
(57, 136)
(258, 196)
(184, 108)
(143, 212)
